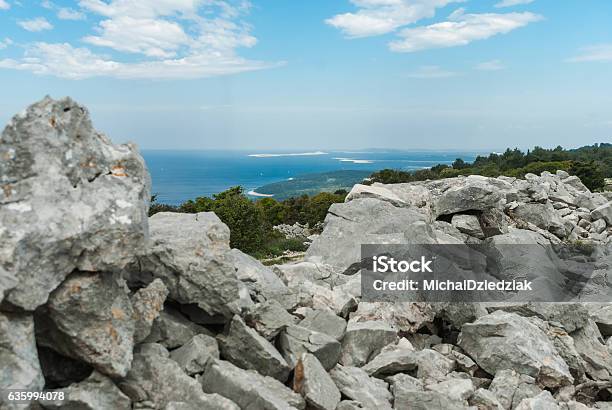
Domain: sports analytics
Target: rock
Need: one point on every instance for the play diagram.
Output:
(61, 371)
(456, 389)
(541, 215)
(247, 388)
(349, 405)
(97, 392)
(296, 340)
(326, 322)
(543, 400)
(589, 343)
(575, 183)
(355, 384)
(485, 400)
(571, 316)
(468, 224)
(157, 379)
(147, 303)
(493, 222)
(598, 226)
(195, 354)
(473, 193)
(603, 318)
(407, 317)
(603, 212)
(493, 340)
(90, 318)
(190, 253)
(259, 278)
(399, 195)
(511, 388)
(172, 330)
(19, 367)
(269, 318)
(365, 220)
(364, 340)
(424, 363)
(70, 199)
(244, 347)
(312, 381)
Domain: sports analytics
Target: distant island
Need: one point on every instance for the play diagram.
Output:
(312, 184)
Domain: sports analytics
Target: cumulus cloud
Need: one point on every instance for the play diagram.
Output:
(163, 38)
(70, 14)
(460, 29)
(431, 72)
(493, 65)
(4, 5)
(35, 24)
(511, 3)
(598, 52)
(376, 17)
(5, 43)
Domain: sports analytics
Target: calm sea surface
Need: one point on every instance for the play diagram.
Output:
(181, 175)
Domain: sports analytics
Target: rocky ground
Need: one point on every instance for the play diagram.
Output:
(122, 311)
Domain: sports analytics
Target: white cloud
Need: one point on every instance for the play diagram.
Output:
(493, 65)
(511, 3)
(70, 14)
(461, 29)
(431, 72)
(47, 4)
(598, 52)
(376, 17)
(166, 39)
(4, 5)
(5, 43)
(35, 24)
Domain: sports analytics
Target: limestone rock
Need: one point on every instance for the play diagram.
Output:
(404, 316)
(90, 318)
(195, 354)
(147, 303)
(326, 322)
(355, 384)
(312, 381)
(248, 389)
(69, 199)
(190, 253)
(172, 330)
(296, 340)
(493, 340)
(97, 392)
(398, 359)
(269, 318)
(603, 212)
(474, 193)
(246, 348)
(543, 400)
(589, 343)
(485, 400)
(364, 340)
(468, 224)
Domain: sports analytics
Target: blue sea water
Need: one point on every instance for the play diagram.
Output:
(181, 175)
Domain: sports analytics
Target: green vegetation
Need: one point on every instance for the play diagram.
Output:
(312, 184)
(251, 222)
(591, 163)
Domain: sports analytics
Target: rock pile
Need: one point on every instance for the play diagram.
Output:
(119, 311)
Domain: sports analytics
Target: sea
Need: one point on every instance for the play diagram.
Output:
(181, 175)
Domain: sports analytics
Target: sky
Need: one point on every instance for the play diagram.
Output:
(318, 74)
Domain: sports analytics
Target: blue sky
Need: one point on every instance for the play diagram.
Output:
(318, 74)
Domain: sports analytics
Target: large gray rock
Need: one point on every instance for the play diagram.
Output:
(473, 193)
(19, 366)
(543, 400)
(269, 318)
(325, 321)
(90, 318)
(195, 354)
(603, 212)
(248, 389)
(296, 340)
(258, 278)
(355, 384)
(97, 392)
(589, 344)
(424, 363)
(541, 215)
(190, 253)
(364, 340)
(312, 381)
(468, 224)
(69, 199)
(511, 388)
(404, 316)
(147, 303)
(158, 380)
(365, 220)
(246, 348)
(494, 340)
(171, 329)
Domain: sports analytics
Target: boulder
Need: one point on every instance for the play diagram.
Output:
(406, 317)
(603, 212)
(472, 193)
(248, 389)
(511, 388)
(69, 199)
(19, 366)
(493, 340)
(190, 253)
(543, 400)
(158, 380)
(269, 318)
(541, 215)
(468, 224)
(364, 340)
(246, 348)
(326, 322)
(399, 195)
(171, 329)
(296, 340)
(258, 278)
(195, 354)
(147, 303)
(90, 318)
(589, 344)
(484, 399)
(97, 392)
(314, 384)
(399, 359)
(355, 384)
